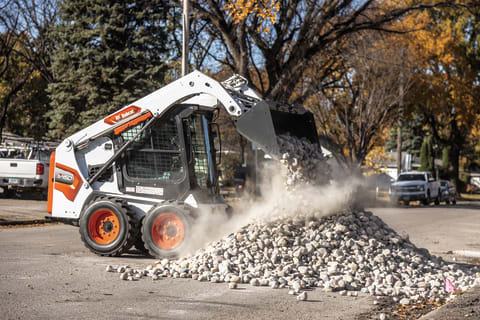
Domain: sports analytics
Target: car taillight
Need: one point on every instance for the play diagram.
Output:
(40, 168)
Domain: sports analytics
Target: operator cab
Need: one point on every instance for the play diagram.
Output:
(174, 157)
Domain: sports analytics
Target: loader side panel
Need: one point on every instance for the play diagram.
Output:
(69, 188)
(91, 159)
(67, 181)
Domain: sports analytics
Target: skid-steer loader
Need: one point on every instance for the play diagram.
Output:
(142, 175)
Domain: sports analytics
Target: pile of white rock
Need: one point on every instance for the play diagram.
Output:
(346, 252)
(349, 252)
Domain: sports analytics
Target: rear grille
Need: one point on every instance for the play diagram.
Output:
(107, 176)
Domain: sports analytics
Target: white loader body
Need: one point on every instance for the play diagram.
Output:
(74, 153)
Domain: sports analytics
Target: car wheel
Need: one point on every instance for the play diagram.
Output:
(426, 201)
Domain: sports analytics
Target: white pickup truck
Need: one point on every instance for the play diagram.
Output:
(24, 168)
(415, 186)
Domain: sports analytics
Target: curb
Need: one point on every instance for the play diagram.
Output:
(431, 315)
(24, 222)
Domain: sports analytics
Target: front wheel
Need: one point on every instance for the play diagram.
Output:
(166, 231)
(427, 200)
(105, 228)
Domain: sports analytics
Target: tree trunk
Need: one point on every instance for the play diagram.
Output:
(3, 118)
(243, 143)
(454, 161)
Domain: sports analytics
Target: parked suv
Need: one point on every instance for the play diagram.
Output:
(415, 186)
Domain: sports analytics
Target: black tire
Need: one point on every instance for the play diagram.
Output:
(140, 246)
(111, 236)
(138, 243)
(406, 202)
(437, 199)
(8, 193)
(427, 200)
(454, 201)
(166, 230)
(447, 201)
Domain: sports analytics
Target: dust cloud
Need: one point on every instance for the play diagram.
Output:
(278, 201)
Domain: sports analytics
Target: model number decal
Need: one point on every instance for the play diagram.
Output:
(63, 176)
(149, 190)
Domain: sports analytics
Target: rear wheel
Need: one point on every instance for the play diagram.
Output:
(166, 231)
(105, 228)
(8, 193)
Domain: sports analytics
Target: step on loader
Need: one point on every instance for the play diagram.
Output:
(142, 176)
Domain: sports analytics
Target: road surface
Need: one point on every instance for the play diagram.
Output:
(46, 273)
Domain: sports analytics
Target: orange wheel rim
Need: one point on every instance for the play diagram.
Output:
(103, 226)
(168, 231)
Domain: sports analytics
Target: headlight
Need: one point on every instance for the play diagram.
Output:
(421, 188)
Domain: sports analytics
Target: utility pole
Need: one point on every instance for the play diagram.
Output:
(400, 118)
(186, 31)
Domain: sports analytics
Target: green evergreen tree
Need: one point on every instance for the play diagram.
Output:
(107, 54)
(430, 154)
(446, 157)
(426, 155)
(413, 131)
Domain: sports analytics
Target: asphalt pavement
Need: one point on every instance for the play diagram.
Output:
(47, 273)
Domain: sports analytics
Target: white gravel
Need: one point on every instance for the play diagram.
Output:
(346, 252)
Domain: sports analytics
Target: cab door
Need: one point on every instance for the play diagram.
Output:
(155, 165)
(201, 156)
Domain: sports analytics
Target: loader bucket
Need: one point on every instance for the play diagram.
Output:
(266, 120)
